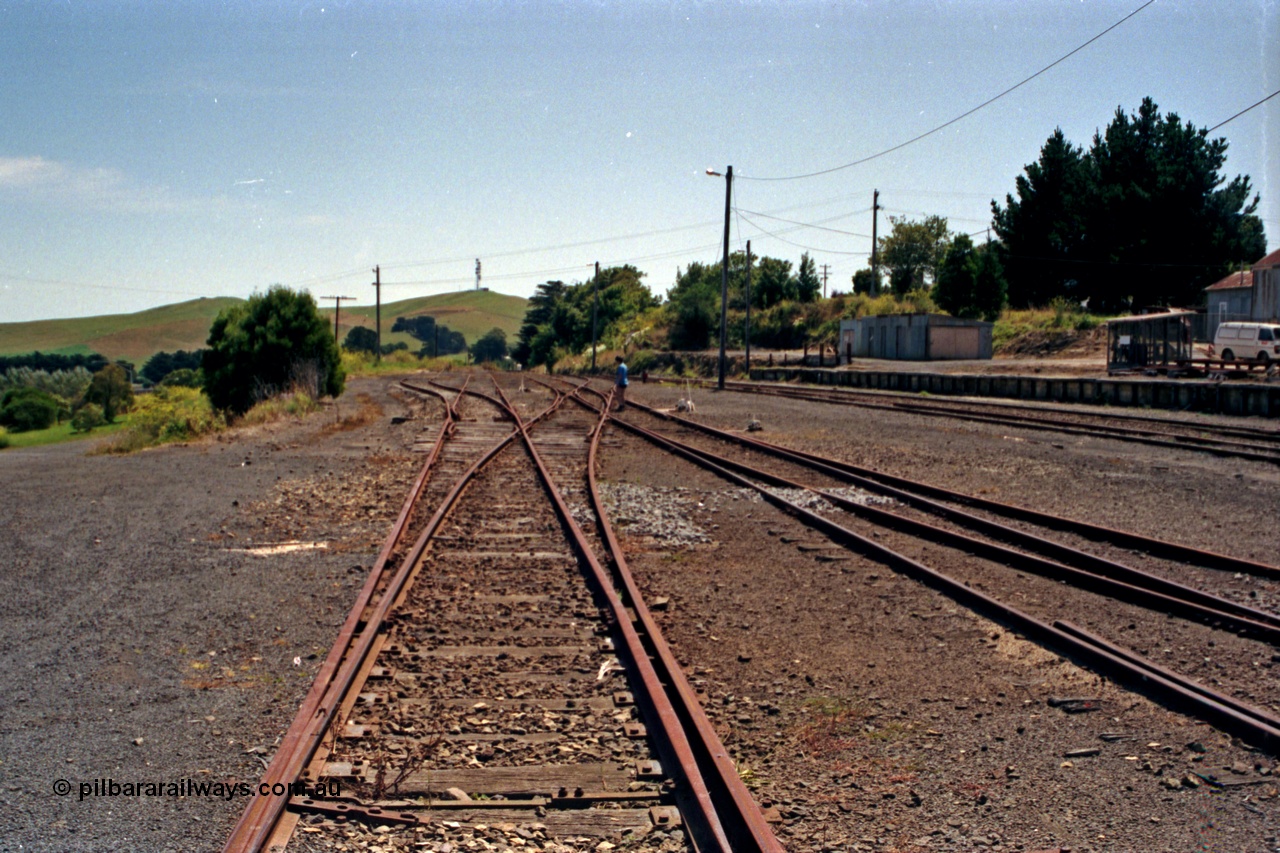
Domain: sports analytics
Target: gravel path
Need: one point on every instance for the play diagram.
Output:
(145, 642)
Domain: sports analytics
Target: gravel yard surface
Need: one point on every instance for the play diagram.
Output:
(164, 614)
(145, 640)
(876, 714)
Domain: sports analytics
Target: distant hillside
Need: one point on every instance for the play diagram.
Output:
(185, 325)
(135, 337)
(472, 312)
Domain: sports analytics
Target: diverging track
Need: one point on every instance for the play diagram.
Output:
(988, 564)
(1259, 444)
(498, 678)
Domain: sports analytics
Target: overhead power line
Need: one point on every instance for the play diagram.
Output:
(963, 115)
(4, 276)
(778, 236)
(577, 245)
(1245, 110)
(816, 224)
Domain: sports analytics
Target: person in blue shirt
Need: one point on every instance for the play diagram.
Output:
(620, 384)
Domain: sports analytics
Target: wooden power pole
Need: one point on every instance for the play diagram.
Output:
(337, 312)
(746, 333)
(595, 310)
(724, 274)
(875, 266)
(377, 311)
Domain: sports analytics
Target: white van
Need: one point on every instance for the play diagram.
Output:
(1247, 341)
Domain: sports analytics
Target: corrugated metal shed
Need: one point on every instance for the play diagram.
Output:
(1266, 287)
(914, 337)
(1230, 298)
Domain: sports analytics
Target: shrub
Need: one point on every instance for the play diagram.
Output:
(4, 438)
(25, 409)
(275, 342)
(360, 339)
(111, 390)
(169, 414)
(279, 407)
(182, 378)
(87, 417)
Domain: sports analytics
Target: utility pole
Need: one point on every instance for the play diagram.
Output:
(377, 311)
(337, 311)
(875, 264)
(724, 274)
(826, 268)
(595, 311)
(746, 335)
(477, 273)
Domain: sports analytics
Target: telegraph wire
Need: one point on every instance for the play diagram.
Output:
(578, 245)
(963, 115)
(1243, 111)
(113, 287)
(815, 224)
(778, 236)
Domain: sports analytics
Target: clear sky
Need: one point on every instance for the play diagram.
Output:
(153, 152)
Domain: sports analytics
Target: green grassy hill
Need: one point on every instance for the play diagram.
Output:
(135, 337)
(185, 325)
(472, 312)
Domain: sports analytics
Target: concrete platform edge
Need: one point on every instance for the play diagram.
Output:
(1186, 395)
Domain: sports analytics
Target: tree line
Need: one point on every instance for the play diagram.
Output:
(1144, 217)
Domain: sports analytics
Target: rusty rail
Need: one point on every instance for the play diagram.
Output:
(1248, 722)
(744, 821)
(339, 671)
(916, 494)
(708, 832)
(1025, 419)
(262, 813)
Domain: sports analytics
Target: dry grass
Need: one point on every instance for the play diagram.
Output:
(834, 726)
(289, 405)
(347, 418)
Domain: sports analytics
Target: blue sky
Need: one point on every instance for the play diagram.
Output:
(154, 152)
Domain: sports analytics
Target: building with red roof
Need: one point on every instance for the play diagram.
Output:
(1248, 294)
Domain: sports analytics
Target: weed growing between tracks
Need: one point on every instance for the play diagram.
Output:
(415, 758)
(834, 726)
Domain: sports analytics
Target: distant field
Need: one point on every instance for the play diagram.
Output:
(185, 325)
(135, 337)
(472, 312)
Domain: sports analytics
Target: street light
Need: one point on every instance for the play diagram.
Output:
(724, 269)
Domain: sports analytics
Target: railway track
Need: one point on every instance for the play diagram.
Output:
(499, 681)
(986, 564)
(1259, 444)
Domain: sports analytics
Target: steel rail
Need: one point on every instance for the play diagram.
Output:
(855, 397)
(917, 494)
(1217, 447)
(748, 830)
(1260, 714)
(1247, 724)
(261, 814)
(1103, 576)
(317, 714)
(709, 834)
(1075, 566)
(1137, 587)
